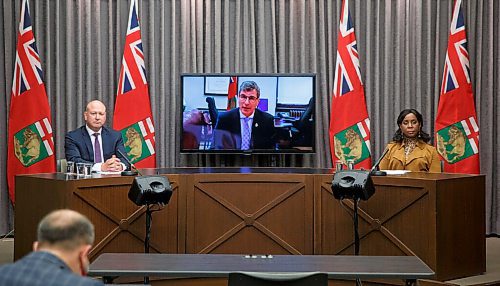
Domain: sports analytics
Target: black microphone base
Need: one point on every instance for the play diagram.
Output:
(129, 173)
(378, 173)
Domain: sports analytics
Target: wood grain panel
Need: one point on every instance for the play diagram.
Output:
(438, 217)
(423, 216)
(269, 214)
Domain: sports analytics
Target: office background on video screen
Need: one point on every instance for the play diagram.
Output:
(291, 90)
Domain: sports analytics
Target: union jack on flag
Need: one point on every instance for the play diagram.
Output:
(133, 66)
(349, 121)
(457, 128)
(30, 140)
(28, 67)
(347, 74)
(132, 99)
(456, 67)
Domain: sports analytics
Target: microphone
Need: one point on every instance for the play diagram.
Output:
(374, 170)
(128, 172)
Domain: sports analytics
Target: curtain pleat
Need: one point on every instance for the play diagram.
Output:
(401, 44)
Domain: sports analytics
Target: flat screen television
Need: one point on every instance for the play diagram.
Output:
(277, 111)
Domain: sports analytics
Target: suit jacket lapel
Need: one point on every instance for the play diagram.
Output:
(106, 147)
(237, 128)
(255, 122)
(88, 143)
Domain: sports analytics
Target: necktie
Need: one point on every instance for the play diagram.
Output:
(245, 135)
(97, 149)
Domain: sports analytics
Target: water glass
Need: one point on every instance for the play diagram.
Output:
(70, 167)
(87, 169)
(350, 164)
(339, 165)
(80, 169)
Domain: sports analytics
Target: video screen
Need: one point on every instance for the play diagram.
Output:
(248, 113)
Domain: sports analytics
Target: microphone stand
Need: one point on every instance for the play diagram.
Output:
(356, 232)
(375, 171)
(149, 215)
(128, 172)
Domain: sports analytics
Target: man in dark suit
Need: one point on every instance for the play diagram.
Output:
(65, 238)
(245, 127)
(94, 143)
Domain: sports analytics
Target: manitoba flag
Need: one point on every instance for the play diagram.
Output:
(457, 130)
(232, 92)
(132, 115)
(349, 122)
(31, 145)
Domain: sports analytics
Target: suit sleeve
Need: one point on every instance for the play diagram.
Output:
(72, 150)
(119, 146)
(224, 136)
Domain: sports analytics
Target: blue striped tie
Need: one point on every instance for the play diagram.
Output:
(245, 135)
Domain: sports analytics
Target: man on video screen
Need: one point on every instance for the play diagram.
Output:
(245, 127)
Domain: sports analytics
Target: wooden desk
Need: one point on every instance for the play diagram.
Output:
(437, 217)
(112, 265)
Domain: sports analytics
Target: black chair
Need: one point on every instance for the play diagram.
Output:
(266, 279)
(212, 110)
(303, 133)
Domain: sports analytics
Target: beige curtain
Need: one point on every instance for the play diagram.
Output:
(402, 44)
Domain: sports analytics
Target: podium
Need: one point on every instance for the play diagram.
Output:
(437, 217)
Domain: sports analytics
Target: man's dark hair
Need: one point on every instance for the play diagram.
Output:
(65, 229)
(398, 135)
(249, 86)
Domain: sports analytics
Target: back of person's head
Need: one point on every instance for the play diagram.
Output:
(65, 230)
(248, 86)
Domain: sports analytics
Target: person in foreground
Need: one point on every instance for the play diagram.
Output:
(59, 256)
(409, 149)
(245, 127)
(95, 143)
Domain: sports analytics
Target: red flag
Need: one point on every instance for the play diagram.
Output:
(349, 121)
(232, 92)
(133, 117)
(457, 130)
(31, 145)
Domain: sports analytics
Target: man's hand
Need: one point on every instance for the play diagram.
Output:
(113, 164)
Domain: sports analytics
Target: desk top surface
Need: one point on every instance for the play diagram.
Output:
(220, 265)
(248, 170)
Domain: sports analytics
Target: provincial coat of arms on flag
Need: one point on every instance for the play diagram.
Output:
(32, 144)
(352, 143)
(456, 142)
(457, 130)
(133, 116)
(139, 140)
(349, 121)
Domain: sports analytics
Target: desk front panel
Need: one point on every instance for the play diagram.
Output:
(438, 217)
(250, 213)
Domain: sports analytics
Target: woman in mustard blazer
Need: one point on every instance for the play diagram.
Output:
(409, 149)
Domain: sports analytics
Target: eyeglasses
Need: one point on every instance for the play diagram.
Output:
(251, 99)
